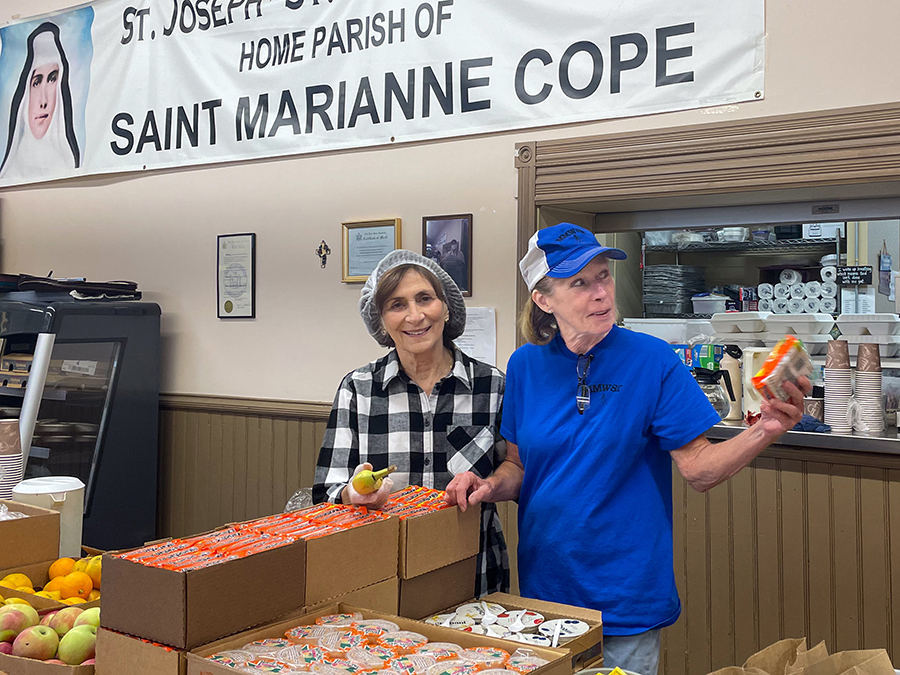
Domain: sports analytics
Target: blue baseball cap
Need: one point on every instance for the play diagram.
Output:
(560, 252)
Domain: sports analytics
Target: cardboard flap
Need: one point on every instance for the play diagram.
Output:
(272, 578)
(28, 540)
(737, 670)
(591, 616)
(436, 539)
(118, 654)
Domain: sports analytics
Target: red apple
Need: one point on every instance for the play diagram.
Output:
(45, 621)
(5, 647)
(56, 662)
(89, 662)
(12, 623)
(37, 642)
(77, 646)
(65, 619)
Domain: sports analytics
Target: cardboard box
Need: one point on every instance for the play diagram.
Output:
(28, 540)
(188, 609)
(39, 575)
(198, 664)
(582, 651)
(381, 597)
(118, 654)
(431, 592)
(437, 539)
(16, 665)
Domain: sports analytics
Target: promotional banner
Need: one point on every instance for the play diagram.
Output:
(123, 85)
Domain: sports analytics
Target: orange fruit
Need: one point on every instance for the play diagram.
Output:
(61, 568)
(17, 580)
(93, 569)
(95, 595)
(26, 589)
(76, 584)
(53, 584)
(75, 600)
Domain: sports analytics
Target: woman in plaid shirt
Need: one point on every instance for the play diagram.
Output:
(425, 406)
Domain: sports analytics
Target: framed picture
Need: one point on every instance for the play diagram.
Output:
(236, 265)
(448, 241)
(365, 243)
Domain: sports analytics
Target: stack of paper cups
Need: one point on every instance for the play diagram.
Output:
(780, 306)
(765, 291)
(798, 291)
(813, 289)
(829, 305)
(790, 277)
(812, 306)
(829, 273)
(782, 291)
(12, 470)
(829, 289)
(795, 306)
(838, 386)
(868, 387)
(764, 305)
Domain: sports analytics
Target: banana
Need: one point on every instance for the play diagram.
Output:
(366, 482)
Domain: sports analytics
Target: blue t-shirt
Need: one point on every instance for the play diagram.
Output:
(595, 508)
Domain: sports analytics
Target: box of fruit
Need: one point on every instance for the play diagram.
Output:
(30, 539)
(343, 638)
(61, 642)
(54, 584)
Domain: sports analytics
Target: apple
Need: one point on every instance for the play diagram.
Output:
(5, 647)
(13, 623)
(89, 662)
(65, 619)
(45, 621)
(77, 646)
(56, 662)
(28, 610)
(37, 642)
(89, 617)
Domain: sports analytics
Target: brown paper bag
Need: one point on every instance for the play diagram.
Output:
(806, 658)
(737, 670)
(776, 658)
(10, 443)
(859, 662)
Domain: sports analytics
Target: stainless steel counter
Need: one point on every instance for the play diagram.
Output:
(888, 443)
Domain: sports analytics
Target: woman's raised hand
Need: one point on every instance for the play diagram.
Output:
(373, 500)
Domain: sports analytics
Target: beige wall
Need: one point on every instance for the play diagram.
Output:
(159, 229)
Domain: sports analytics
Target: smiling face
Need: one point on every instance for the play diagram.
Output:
(42, 98)
(414, 315)
(584, 305)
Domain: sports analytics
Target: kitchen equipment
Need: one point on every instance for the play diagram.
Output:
(59, 493)
(721, 398)
(752, 359)
(731, 363)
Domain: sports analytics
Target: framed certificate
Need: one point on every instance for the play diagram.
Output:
(365, 243)
(236, 292)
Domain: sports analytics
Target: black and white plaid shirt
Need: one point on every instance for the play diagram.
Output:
(382, 417)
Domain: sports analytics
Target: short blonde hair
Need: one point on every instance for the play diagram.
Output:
(537, 326)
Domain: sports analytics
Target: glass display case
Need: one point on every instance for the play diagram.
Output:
(82, 377)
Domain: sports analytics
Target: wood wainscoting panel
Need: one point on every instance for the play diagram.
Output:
(789, 547)
(226, 460)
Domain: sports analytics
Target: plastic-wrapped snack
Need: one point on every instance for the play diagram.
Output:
(343, 620)
(488, 657)
(346, 665)
(370, 657)
(524, 661)
(310, 635)
(267, 646)
(412, 664)
(402, 641)
(788, 361)
(264, 665)
(338, 644)
(456, 667)
(302, 655)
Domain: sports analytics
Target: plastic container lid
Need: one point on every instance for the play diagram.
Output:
(49, 485)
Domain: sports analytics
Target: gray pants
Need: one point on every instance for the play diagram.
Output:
(636, 653)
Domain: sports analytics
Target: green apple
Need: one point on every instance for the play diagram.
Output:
(65, 619)
(37, 642)
(29, 611)
(77, 645)
(89, 617)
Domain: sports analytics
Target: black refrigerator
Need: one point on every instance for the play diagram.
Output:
(82, 377)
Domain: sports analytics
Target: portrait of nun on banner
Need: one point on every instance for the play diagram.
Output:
(44, 130)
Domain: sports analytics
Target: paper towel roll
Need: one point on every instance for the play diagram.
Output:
(779, 306)
(829, 305)
(798, 291)
(829, 289)
(765, 305)
(790, 277)
(829, 273)
(782, 291)
(795, 306)
(813, 289)
(812, 306)
(766, 291)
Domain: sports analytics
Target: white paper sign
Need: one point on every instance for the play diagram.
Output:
(479, 340)
(128, 86)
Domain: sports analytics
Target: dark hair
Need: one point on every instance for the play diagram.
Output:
(65, 92)
(537, 326)
(389, 281)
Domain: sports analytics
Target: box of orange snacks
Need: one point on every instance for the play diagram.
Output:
(189, 591)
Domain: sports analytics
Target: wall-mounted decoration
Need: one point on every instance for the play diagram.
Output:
(236, 292)
(448, 241)
(323, 252)
(365, 243)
